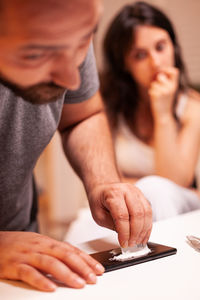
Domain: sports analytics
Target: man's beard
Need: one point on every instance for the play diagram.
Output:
(42, 93)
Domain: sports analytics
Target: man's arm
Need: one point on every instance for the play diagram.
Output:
(88, 145)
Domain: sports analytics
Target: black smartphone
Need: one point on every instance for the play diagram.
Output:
(106, 257)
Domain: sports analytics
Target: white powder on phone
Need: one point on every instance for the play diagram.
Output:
(131, 252)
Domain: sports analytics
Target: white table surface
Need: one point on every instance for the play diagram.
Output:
(175, 277)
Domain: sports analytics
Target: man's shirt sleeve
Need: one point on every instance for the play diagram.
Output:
(89, 80)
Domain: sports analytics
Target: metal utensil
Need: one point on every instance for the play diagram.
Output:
(194, 242)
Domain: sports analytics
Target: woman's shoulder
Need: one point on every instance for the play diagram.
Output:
(192, 109)
(193, 95)
(193, 99)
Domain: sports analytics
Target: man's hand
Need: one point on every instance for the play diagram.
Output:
(30, 257)
(123, 208)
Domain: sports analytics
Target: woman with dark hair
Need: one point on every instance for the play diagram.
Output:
(154, 114)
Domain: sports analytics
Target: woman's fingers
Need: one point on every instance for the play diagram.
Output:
(166, 78)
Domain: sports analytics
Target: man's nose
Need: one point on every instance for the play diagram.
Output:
(65, 72)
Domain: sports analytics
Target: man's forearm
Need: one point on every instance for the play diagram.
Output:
(89, 148)
(115, 205)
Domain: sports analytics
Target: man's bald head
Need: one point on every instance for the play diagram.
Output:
(43, 43)
(37, 11)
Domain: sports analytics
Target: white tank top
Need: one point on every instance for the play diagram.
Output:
(134, 157)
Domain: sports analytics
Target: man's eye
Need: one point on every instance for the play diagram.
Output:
(140, 55)
(32, 56)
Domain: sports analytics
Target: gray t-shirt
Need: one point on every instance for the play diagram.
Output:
(25, 130)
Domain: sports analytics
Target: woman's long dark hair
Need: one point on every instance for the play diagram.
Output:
(118, 88)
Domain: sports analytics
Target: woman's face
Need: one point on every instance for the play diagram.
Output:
(151, 51)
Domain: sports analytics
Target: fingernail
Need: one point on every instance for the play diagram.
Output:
(140, 245)
(124, 244)
(139, 242)
(132, 243)
(50, 286)
(80, 281)
(92, 278)
(99, 268)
